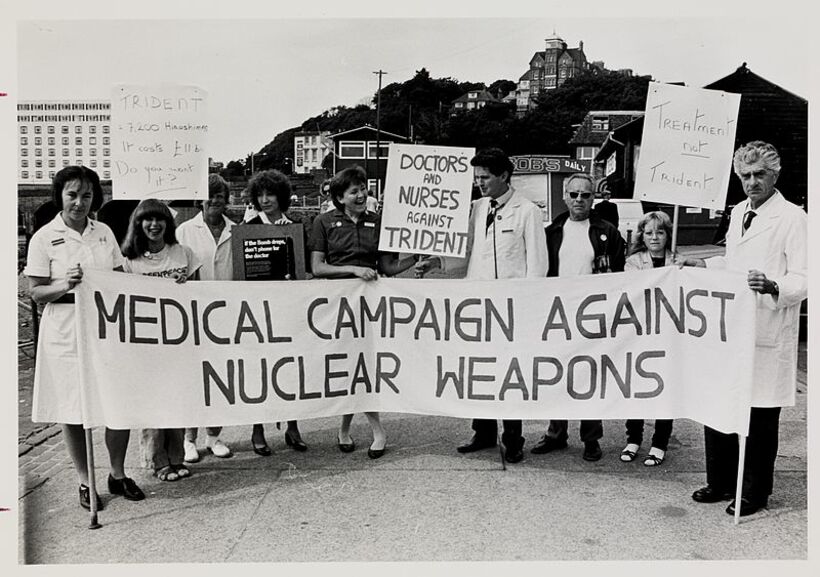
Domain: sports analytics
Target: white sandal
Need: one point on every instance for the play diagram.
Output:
(654, 458)
(629, 453)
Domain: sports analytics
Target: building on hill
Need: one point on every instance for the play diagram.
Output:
(52, 134)
(549, 69)
(359, 147)
(472, 100)
(309, 149)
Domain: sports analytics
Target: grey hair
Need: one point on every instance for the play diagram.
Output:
(579, 176)
(755, 151)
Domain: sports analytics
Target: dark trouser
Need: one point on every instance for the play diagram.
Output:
(488, 429)
(660, 439)
(761, 451)
(590, 430)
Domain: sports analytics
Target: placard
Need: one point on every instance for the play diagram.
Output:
(266, 252)
(687, 146)
(158, 137)
(426, 199)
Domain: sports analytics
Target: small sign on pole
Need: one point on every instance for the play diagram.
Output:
(427, 200)
(158, 138)
(687, 146)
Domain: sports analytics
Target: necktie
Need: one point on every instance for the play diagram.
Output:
(747, 221)
(491, 212)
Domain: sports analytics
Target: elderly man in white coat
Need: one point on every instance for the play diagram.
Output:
(505, 240)
(767, 240)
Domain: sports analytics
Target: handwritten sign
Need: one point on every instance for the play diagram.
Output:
(158, 136)
(687, 146)
(427, 200)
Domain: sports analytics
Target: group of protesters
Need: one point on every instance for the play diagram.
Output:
(506, 240)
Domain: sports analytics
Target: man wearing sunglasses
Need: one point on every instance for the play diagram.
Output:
(578, 243)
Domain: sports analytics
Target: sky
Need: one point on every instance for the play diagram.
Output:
(263, 76)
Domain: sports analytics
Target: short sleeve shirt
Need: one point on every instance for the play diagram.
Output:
(345, 242)
(171, 262)
(56, 247)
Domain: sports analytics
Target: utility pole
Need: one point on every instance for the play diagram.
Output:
(381, 73)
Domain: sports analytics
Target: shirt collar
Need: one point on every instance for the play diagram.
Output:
(505, 198)
(763, 207)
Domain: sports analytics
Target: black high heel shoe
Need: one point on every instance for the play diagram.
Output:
(262, 450)
(294, 440)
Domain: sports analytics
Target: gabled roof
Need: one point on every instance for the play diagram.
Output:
(745, 81)
(585, 135)
(483, 96)
(526, 76)
(365, 127)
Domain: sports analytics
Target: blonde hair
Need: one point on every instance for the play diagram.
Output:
(638, 245)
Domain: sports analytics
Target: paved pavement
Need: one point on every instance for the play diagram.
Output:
(421, 502)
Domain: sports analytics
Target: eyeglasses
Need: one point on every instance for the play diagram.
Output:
(584, 195)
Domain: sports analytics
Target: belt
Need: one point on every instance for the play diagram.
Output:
(66, 299)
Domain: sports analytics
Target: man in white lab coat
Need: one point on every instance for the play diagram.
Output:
(767, 240)
(505, 240)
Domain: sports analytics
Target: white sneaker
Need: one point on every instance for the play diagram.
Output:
(218, 448)
(191, 454)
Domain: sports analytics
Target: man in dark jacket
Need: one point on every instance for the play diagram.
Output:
(578, 243)
(607, 210)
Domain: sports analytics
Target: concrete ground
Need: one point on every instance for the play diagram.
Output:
(421, 502)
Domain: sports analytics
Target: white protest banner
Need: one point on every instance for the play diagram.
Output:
(427, 200)
(158, 142)
(687, 146)
(663, 343)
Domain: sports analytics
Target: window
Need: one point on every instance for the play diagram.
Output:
(105, 129)
(92, 140)
(51, 174)
(600, 123)
(65, 140)
(384, 147)
(24, 130)
(586, 152)
(51, 141)
(472, 95)
(38, 152)
(351, 149)
(78, 141)
(106, 163)
(106, 152)
(51, 163)
(79, 152)
(92, 130)
(106, 141)
(24, 163)
(106, 174)
(78, 129)
(38, 141)
(38, 174)
(24, 140)
(92, 152)
(51, 152)
(24, 152)
(93, 163)
(65, 162)
(38, 163)
(64, 129)
(79, 162)
(51, 129)
(373, 184)
(24, 174)
(65, 152)
(38, 129)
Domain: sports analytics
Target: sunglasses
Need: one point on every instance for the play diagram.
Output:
(584, 195)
